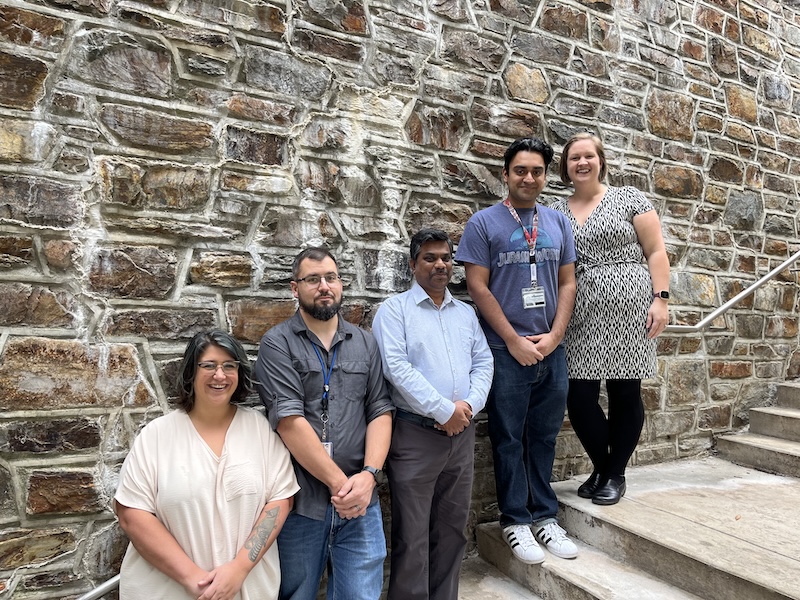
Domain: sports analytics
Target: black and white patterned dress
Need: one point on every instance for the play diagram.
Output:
(606, 337)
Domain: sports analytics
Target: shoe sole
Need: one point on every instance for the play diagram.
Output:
(554, 553)
(567, 556)
(529, 562)
(564, 556)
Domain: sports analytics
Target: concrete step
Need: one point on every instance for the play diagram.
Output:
(715, 529)
(789, 395)
(777, 421)
(767, 453)
(481, 581)
(593, 575)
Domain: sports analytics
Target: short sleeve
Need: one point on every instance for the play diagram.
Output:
(474, 244)
(639, 202)
(139, 474)
(284, 483)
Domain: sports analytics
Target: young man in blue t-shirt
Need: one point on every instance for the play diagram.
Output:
(520, 264)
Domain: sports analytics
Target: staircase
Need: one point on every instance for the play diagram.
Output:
(700, 528)
(773, 442)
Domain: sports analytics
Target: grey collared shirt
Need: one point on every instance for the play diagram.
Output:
(291, 382)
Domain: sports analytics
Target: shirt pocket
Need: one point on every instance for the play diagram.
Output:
(466, 336)
(241, 479)
(355, 376)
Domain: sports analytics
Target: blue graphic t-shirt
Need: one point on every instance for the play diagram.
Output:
(494, 240)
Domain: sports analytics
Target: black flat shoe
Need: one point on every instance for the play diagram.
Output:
(610, 493)
(589, 487)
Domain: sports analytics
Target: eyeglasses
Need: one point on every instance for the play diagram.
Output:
(228, 367)
(315, 280)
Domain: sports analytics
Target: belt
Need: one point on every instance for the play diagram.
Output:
(411, 417)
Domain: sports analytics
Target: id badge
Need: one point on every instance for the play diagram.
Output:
(328, 448)
(533, 297)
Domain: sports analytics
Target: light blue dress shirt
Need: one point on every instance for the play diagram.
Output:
(433, 356)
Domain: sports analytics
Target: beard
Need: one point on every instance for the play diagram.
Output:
(321, 313)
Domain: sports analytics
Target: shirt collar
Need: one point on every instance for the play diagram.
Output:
(299, 326)
(420, 295)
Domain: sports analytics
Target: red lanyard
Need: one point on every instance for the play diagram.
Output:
(530, 237)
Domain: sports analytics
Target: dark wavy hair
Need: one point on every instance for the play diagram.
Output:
(188, 369)
(598, 146)
(528, 145)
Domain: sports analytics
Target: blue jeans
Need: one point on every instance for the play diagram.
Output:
(356, 550)
(526, 410)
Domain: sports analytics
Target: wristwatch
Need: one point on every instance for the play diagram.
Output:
(376, 473)
(663, 294)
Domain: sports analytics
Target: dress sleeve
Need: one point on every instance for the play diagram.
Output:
(638, 201)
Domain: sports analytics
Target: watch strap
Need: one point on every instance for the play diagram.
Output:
(372, 471)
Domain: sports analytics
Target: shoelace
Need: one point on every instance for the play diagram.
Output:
(554, 532)
(526, 541)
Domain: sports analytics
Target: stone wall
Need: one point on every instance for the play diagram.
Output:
(161, 162)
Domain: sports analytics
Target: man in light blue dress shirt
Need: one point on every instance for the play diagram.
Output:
(440, 368)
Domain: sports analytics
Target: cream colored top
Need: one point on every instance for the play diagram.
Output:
(208, 503)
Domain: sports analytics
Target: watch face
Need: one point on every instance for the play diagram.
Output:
(663, 294)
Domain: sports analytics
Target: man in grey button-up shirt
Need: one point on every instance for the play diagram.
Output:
(324, 392)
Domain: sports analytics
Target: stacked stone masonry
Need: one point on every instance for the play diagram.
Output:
(162, 161)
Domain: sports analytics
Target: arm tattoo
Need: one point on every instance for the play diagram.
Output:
(261, 532)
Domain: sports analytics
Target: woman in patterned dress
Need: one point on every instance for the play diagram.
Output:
(621, 306)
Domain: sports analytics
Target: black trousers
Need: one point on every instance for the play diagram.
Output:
(430, 479)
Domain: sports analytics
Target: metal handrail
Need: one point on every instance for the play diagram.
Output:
(102, 589)
(740, 296)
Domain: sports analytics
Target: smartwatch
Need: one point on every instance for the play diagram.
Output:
(663, 294)
(372, 471)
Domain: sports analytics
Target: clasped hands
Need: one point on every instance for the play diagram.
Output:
(529, 350)
(353, 497)
(222, 583)
(459, 421)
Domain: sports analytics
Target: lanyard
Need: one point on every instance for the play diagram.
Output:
(529, 237)
(326, 378)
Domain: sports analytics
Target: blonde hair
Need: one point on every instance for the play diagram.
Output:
(598, 145)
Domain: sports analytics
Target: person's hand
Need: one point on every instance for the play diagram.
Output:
(353, 499)
(524, 351)
(545, 343)
(223, 583)
(460, 419)
(657, 318)
(192, 582)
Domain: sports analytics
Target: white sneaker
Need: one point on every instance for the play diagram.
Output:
(524, 547)
(556, 541)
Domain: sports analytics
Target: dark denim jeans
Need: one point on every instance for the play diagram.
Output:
(356, 550)
(526, 410)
